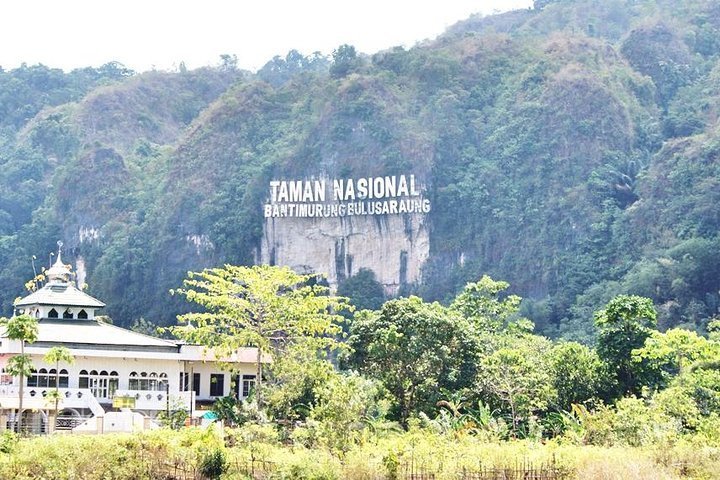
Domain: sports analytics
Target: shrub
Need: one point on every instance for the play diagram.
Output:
(8, 440)
(213, 463)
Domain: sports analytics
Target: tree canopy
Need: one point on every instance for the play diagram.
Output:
(264, 307)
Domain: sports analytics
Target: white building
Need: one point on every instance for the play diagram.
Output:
(114, 368)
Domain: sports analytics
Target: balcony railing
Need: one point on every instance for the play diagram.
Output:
(36, 398)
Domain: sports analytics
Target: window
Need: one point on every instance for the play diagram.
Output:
(186, 383)
(67, 314)
(32, 380)
(102, 384)
(42, 378)
(248, 385)
(152, 381)
(134, 382)
(82, 314)
(147, 381)
(98, 383)
(162, 382)
(52, 313)
(217, 384)
(113, 383)
(64, 379)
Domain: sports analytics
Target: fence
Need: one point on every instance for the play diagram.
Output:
(263, 469)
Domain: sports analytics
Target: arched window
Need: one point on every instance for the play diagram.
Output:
(52, 313)
(162, 382)
(84, 379)
(44, 378)
(147, 381)
(82, 314)
(67, 314)
(64, 379)
(32, 380)
(113, 383)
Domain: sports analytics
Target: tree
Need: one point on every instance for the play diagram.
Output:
(668, 354)
(363, 290)
(481, 304)
(578, 374)
(56, 355)
(517, 375)
(415, 349)
(297, 377)
(228, 62)
(25, 329)
(623, 326)
(345, 403)
(345, 61)
(261, 306)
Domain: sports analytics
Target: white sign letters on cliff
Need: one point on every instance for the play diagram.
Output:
(325, 198)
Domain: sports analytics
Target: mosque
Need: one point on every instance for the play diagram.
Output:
(120, 380)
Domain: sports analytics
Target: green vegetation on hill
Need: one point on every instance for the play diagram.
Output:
(571, 149)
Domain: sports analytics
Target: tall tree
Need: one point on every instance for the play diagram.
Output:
(623, 326)
(415, 349)
(56, 355)
(261, 306)
(25, 329)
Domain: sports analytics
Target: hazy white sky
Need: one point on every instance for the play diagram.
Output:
(146, 34)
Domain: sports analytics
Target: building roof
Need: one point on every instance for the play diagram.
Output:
(97, 335)
(61, 294)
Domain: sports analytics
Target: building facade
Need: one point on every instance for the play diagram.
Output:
(114, 369)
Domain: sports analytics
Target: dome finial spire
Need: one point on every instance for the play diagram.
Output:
(59, 272)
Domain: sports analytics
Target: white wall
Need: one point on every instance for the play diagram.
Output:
(122, 365)
(205, 369)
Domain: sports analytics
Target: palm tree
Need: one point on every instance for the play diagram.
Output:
(25, 329)
(56, 355)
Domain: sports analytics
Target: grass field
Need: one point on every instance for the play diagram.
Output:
(258, 452)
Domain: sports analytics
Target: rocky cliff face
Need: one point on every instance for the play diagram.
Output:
(395, 247)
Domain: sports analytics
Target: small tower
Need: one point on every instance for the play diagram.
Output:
(59, 298)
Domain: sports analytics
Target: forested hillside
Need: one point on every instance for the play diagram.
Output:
(572, 149)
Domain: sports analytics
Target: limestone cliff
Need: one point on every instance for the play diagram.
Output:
(395, 247)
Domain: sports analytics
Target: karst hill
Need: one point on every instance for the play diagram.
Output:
(572, 149)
